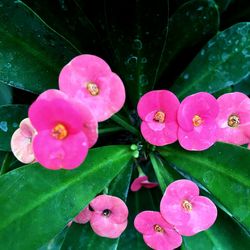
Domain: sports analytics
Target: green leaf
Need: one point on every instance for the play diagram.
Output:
(10, 117)
(222, 170)
(201, 19)
(5, 94)
(36, 203)
(224, 61)
(31, 53)
(225, 234)
(82, 236)
(223, 4)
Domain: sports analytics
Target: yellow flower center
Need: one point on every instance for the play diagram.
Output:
(59, 132)
(93, 89)
(187, 205)
(159, 116)
(233, 121)
(158, 229)
(197, 121)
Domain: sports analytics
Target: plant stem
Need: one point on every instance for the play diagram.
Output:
(124, 124)
(6, 163)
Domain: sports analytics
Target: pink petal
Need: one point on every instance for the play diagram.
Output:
(160, 138)
(158, 100)
(145, 221)
(148, 184)
(84, 216)
(21, 147)
(233, 104)
(167, 241)
(83, 69)
(105, 227)
(119, 210)
(200, 138)
(171, 204)
(136, 184)
(27, 129)
(54, 154)
(202, 217)
(202, 104)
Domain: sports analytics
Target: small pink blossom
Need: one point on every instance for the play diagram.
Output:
(65, 130)
(84, 216)
(234, 118)
(182, 207)
(196, 117)
(142, 181)
(157, 232)
(158, 111)
(22, 140)
(109, 217)
(89, 79)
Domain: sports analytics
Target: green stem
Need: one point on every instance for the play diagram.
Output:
(124, 124)
(6, 163)
(103, 131)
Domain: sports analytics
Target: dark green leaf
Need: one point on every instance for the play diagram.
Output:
(224, 61)
(5, 94)
(36, 203)
(223, 4)
(82, 236)
(10, 117)
(31, 53)
(222, 170)
(225, 234)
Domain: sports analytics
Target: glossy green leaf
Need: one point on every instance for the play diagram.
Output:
(201, 19)
(223, 4)
(31, 53)
(5, 94)
(10, 117)
(222, 170)
(82, 236)
(225, 234)
(224, 61)
(36, 203)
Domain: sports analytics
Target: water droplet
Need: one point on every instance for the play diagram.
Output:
(245, 52)
(137, 44)
(143, 80)
(144, 60)
(200, 8)
(186, 76)
(131, 60)
(202, 52)
(224, 56)
(236, 49)
(8, 65)
(4, 126)
(14, 125)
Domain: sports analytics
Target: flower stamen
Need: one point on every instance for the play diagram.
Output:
(187, 205)
(159, 117)
(93, 89)
(197, 121)
(59, 132)
(233, 121)
(158, 229)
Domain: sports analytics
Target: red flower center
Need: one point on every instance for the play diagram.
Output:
(59, 131)
(93, 89)
(197, 121)
(158, 229)
(187, 205)
(233, 121)
(159, 116)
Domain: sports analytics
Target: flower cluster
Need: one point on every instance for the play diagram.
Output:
(182, 212)
(62, 124)
(197, 122)
(108, 216)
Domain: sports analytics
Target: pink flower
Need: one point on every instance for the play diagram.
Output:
(234, 118)
(182, 207)
(196, 117)
(158, 111)
(21, 142)
(110, 216)
(84, 216)
(157, 233)
(89, 79)
(142, 181)
(65, 130)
